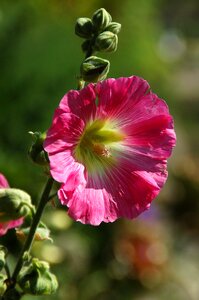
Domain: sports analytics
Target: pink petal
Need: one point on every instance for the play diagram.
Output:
(89, 205)
(81, 103)
(126, 188)
(153, 137)
(62, 165)
(120, 194)
(4, 227)
(3, 181)
(117, 96)
(61, 139)
(11, 224)
(64, 132)
(146, 107)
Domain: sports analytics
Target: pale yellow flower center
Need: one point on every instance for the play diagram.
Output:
(98, 145)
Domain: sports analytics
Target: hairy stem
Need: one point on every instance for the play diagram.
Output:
(35, 222)
(7, 271)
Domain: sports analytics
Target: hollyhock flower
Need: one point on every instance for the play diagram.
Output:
(4, 226)
(108, 146)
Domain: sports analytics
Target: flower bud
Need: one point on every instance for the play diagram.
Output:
(106, 42)
(114, 27)
(42, 233)
(2, 284)
(36, 279)
(14, 204)
(36, 152)
(101, 19)
(2, 256)
(84, 28)
(94, 69)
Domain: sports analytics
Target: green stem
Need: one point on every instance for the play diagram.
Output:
(52, 196)
(7, 271)
(89, 52)
(81, 84)
(35, 222)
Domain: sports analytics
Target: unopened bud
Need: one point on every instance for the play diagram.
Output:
(101, 19)
(94, 69)
(106, 42)
(36, 152)
(114, 27)
(84, 28)
(36, 278)
(14, 204)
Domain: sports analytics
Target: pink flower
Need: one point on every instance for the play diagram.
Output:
(3, 182)
(4, 226)
(108, 146)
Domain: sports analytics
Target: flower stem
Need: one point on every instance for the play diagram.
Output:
(7, 271)
(81, 84)
(35, 222)
(89, 52)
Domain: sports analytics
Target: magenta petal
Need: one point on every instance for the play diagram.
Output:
(124, 161)
(3, 181)
(61, 137)
(116, 95)
(81, 103)
(106, 201)
(62, 165)
(154, 138)
(149, 105)
(11, 224)
(64, 132)
(133, 193)
(89, 205)
(8, 225)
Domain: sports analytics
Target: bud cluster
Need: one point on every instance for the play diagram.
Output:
(100, 34)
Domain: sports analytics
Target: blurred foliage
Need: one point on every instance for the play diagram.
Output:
(155, 257)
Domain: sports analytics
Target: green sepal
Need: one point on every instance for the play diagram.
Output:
(101, 19)
(94, 69)
(106, 41)
(42, 233)
(35, 278)
(114, 27)
(84, 28)
(14, 204)
(36, 151)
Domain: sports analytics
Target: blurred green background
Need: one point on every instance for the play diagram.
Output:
(151, 258)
